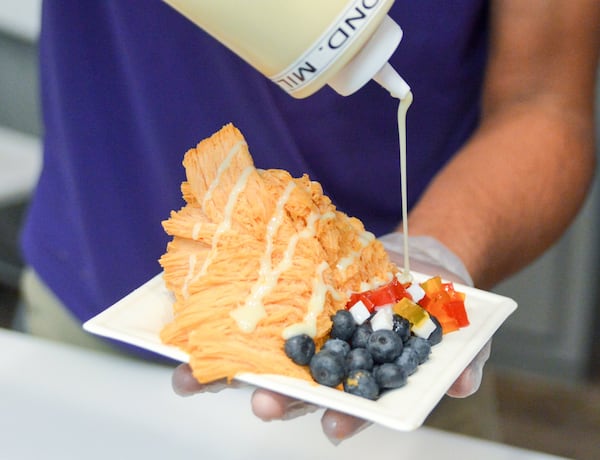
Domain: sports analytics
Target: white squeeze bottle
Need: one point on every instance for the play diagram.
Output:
(302, 45)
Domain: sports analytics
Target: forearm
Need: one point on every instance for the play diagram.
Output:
(511, 191)
(518, 183)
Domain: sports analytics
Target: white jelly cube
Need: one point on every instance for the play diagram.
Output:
(416, 291)
(424, 329)
(359, 312)
(383, 319)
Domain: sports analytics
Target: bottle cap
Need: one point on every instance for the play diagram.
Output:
(371, 62)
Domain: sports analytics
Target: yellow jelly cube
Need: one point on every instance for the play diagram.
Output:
(419, 319)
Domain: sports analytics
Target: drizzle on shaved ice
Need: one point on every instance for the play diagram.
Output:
(257, 256)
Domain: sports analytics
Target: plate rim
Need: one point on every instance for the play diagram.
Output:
(379, 411)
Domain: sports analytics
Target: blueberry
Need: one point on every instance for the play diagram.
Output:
(389, 376)
(337, 346)
(361, 335)
(361, 383)
(401, 326)
(359, 358)
(384, 345)
(436, 336)
(408, 360)
(343, 325)
(421, 346)
(300, 348)
(327, 368)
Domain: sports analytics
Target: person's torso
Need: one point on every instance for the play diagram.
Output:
(129, 85)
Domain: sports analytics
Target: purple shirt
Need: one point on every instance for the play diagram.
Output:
(129, 85)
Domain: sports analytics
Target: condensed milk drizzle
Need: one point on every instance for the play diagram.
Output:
(364, 239)
(252, 310)
(223, 226)
(221, 169)
(315, 306)
(399, 89)
(405, 103)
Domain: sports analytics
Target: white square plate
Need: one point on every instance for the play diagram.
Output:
(138, 318)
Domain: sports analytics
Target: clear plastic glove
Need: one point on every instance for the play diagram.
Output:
(427, 256)
(430, 257)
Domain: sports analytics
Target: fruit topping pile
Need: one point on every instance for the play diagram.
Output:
(382, 336)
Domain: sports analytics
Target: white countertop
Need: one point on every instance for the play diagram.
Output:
(62, 402)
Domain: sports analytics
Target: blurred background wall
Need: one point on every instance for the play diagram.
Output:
(20, 156)
(552, 333)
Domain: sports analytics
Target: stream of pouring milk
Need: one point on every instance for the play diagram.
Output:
(402, 109)
(399, 89)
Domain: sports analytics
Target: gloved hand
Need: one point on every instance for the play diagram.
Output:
(427, 256)
(430, 257)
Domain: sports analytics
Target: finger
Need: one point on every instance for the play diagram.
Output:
(338, 426)
(467, 383)
(470, 379)
(185, 384)
(268, 406)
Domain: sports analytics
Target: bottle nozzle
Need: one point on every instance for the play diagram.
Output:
(369, 60)
(392, 81)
